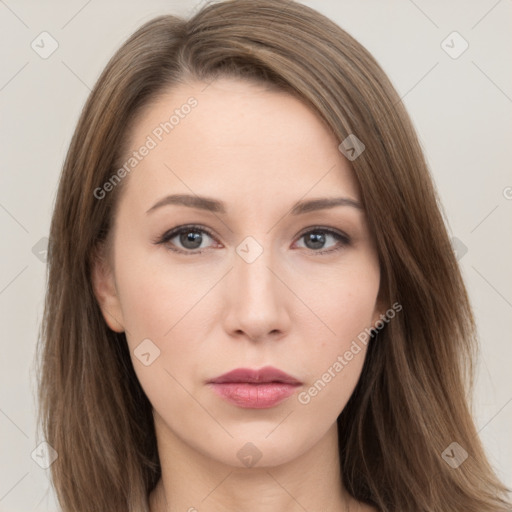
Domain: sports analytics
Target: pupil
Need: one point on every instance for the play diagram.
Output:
(191, 240)
(317, 239)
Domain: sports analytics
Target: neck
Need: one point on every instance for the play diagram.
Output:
(192, 481)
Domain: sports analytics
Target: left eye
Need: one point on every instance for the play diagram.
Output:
(318, 237)
(191, 238)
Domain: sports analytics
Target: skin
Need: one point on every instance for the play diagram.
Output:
(259, 151)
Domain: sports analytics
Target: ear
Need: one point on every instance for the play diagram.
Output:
(379, 311)
(105, 290)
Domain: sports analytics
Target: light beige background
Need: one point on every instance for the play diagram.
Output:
(461, 108)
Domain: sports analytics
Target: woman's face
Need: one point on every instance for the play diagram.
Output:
(258, 281)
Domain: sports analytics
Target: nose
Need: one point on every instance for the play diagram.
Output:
(258, 299)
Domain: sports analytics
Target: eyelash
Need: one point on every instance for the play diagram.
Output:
(168, 235)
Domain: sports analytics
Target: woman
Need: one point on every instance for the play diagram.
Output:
(252, 301)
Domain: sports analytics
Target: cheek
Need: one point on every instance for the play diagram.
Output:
(344, 300)
(163, 306)
(158, 311)
(345, 304)
(334, 365)
(156, 295)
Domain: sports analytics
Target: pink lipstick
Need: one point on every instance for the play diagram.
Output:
(255, 389)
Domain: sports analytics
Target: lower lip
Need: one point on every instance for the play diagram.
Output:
(254, 396)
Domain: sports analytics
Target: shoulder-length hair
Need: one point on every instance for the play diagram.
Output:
(413, 399)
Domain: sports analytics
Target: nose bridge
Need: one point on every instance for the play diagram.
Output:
(256, 295)
(252, 266)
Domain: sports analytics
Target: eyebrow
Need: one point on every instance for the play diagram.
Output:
(213, 205)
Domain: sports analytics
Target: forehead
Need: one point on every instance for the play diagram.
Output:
(232, 136)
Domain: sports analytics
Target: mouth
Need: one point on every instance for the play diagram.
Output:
(255, 389)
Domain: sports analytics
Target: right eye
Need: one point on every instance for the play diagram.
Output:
(190, 237)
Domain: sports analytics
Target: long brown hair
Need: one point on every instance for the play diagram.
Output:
(413, 400)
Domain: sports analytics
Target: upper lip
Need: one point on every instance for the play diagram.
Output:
(263, 375)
